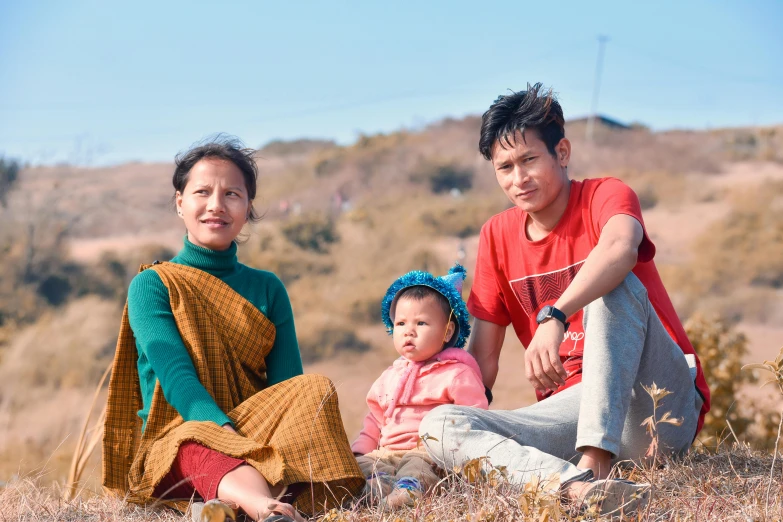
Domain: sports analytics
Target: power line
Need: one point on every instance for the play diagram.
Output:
(696, 66)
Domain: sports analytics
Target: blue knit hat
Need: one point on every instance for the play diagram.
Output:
(449, 286)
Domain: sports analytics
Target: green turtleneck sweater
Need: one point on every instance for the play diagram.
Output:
(162, 355)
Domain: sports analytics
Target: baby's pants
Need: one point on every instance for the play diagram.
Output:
(398, 464)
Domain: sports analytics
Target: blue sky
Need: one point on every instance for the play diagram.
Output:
(108, 82)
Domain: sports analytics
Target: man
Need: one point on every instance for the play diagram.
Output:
(570, 266)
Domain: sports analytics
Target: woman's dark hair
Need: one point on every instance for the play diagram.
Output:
(534, 109)
(221, 147)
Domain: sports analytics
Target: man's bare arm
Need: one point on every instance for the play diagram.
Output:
(486, 340)
(606, 266)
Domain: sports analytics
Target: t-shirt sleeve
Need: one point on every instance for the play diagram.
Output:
(613, 197)
(284, 361)
(486, 297)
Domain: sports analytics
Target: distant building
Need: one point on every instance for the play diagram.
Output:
(602, 120)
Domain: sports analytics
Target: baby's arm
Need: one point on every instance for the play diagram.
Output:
(467, 389)
(368, 438)
(370, 435)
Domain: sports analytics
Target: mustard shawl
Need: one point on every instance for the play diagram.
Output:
(292, 433)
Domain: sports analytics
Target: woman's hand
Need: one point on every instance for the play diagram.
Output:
(229, 427)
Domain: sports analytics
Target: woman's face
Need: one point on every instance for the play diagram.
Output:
(214, 204)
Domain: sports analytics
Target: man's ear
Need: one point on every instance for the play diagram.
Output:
(563, 152)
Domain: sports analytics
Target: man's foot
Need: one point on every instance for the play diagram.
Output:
(407, 490)
(597, 460)
(610, 495)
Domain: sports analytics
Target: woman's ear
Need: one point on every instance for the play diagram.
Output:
(178, 203)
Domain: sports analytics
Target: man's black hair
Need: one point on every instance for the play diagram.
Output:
(533, 109)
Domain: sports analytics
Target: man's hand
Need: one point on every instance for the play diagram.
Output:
(542, 358)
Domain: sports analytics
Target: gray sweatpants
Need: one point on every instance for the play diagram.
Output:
(626, 346)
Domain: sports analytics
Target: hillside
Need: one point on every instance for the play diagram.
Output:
(340, 224)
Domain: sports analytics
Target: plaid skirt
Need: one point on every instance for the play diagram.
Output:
(292, 433)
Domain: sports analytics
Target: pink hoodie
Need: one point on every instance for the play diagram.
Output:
(406, 391)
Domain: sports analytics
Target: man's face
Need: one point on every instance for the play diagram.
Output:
(528, 173)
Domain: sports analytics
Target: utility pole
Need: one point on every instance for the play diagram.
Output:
(599, 64)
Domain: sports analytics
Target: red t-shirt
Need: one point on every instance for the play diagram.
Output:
(516, 277)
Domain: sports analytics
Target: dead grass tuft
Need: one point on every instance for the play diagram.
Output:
(28, 499)
(728, 486)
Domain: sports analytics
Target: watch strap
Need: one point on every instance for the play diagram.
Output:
(554, 313)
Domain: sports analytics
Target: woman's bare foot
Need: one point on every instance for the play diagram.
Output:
(247, 488)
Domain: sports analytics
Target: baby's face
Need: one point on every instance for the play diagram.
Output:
(420, 328)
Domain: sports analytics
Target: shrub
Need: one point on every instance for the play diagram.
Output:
(367, 310)
(721, 351)
(311, 232)
(268, 250)
(9, 172)
(648, 197)
(330, 341)
(427, 261)
(444, 176)
(290, 268)
(750, 237)
(327, 162)
(110, 276)
(32, 254)
(459, 218)
(294, 147)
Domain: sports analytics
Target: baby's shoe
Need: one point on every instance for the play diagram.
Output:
(407, 490)
(377, 487)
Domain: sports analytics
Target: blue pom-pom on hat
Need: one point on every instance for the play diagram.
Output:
(449, 285)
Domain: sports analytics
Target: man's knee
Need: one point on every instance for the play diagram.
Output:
(443, 419)
(630, 285)
(629, 295)
(439, 431)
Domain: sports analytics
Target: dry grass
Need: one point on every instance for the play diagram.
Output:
(735, 484)
(28, 500)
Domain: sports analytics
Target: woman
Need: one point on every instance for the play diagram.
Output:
(207, 394)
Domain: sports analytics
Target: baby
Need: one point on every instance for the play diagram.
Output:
(429, 323)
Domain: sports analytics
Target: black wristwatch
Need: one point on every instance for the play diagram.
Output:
(550, 312)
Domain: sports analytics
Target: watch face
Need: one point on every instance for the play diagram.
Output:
(543, 314)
